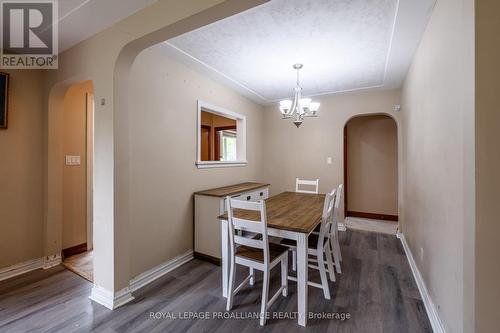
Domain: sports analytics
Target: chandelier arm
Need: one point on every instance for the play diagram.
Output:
(294, 105)
(292, 110)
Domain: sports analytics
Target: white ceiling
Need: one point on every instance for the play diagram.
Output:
(80, 19)
(344, 45)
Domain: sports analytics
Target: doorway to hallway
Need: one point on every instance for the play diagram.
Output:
(371, 173)
(78, 149)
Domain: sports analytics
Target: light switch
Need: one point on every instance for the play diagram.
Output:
(329, 160)
(72, 160)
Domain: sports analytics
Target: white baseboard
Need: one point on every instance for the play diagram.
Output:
(437, 325)
(109, 299)
(18, 269)
(156, 272)
(30, 265)
(112, 301)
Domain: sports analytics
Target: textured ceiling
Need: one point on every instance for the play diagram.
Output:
(344, 45)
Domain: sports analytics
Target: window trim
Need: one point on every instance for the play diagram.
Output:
(241, 148)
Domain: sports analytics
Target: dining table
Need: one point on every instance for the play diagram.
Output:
(290, 215)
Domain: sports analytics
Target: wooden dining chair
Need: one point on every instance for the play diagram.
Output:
(334, 232)
(319, 247)
(254, 253)
(300, 183)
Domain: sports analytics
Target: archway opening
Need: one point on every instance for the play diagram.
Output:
(69, 226)
(78, 142)
(371, 173)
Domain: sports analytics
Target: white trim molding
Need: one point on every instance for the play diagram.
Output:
(157, 272)
(30, 265)
(21, 268)
(109, 299)
(112, 300)
(437, 325)
(241, 145)
(219, 164)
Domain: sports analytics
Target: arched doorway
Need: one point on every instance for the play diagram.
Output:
(78, 142)
(69, 226)
(371, 173)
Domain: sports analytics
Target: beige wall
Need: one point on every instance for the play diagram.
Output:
(21, 170)
(487, 165)
(163, 176)
(438, 218)
(372, 165)
(290, 152)
(75, 177)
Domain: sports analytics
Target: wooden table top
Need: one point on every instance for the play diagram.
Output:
(299, 212)
(231, 190)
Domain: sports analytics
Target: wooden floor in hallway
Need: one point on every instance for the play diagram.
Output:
(81, 264)
(376, 289)
(380, 226)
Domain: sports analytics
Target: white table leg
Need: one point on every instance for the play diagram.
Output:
(224, 256)
(302, 278)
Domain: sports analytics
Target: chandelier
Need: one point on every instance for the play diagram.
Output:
(300, 107)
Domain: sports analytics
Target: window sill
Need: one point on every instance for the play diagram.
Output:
(219, 164)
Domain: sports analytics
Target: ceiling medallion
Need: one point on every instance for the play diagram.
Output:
(300, 107)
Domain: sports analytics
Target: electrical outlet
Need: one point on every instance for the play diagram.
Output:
(329, 160)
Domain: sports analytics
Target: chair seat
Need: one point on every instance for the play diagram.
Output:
(312, 242)
(275, 251)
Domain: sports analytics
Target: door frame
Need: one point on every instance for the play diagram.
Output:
(345, 170)
(89, 151)
(217, 140)
(209, 128)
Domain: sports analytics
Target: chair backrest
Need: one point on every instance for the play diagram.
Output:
(326, 218)
(258, 227)
(309, 183)
(339, 195)
(338, 204)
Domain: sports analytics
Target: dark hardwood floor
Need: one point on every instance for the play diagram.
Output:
(376, 289)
